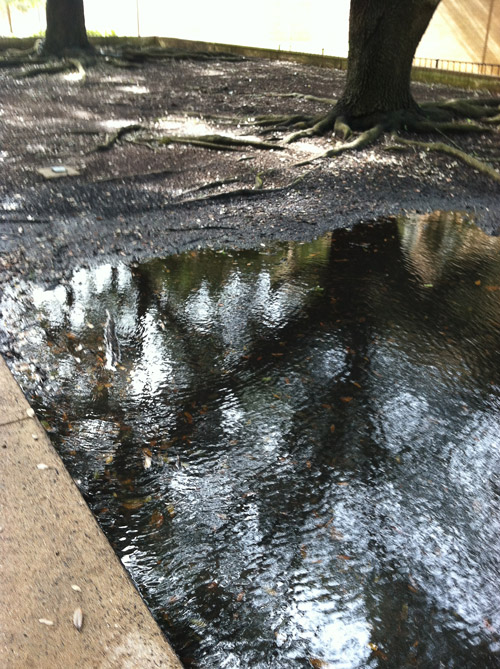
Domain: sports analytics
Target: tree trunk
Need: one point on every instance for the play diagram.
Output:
(66, 31)
(383, 38)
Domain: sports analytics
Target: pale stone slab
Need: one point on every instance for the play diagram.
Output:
(58, 171)
(13, 405)
(49, 542)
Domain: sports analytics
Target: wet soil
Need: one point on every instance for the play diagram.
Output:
(129, 202)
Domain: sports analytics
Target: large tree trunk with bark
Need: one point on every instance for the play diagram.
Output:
(66, 33)
(383, 38)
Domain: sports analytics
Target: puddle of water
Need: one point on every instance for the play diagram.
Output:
(294, 451)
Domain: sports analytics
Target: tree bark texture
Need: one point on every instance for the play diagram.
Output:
(66, 32)
(383, 38)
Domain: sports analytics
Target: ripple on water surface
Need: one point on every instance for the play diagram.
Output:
(294, 451)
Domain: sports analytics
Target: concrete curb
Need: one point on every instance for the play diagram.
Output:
(55, 560)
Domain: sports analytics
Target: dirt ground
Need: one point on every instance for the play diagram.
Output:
(137, 199)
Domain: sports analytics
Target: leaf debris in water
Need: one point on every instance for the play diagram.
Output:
(78, 619)
(156, 519)
(135, 502)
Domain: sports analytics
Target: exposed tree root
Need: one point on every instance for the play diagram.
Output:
(244, 192)
(300, 96)
(133, 175)
(121, 132)
(441, 147)
(280, 122)
(220, 118)
(53, 67)
(475, 115)
(360, 142)
(452, 126)
(37, 63)
(214, 142)
(219, 142)
(137, 54)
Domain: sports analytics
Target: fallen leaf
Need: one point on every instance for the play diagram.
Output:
(317, 663)
(134, 503)
(147, 462)
(156, 519)
(344, 557)
(76, 588)
(332, 428)
(44, 621)
(198, 622)
(240, 596)
(42, 466)
(346, 399)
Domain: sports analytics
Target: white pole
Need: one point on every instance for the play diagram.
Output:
(488, 28)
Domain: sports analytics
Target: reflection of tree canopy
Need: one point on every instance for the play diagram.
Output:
(306, 426)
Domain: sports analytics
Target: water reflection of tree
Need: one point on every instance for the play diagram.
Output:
(326, 414)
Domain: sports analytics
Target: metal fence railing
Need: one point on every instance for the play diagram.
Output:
(486, 69)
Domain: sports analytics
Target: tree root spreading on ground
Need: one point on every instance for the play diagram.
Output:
(441, 147)
(244, 192)
(475, 115)
(468, 115)
(220, 142)
(126, 56)
(214, 142)
(443, 120)
(116, 136)
(300, 96)
(54, 67)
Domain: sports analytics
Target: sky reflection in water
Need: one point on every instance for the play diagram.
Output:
(296, 455)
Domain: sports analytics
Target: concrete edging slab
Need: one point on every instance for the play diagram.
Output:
(50, 543)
